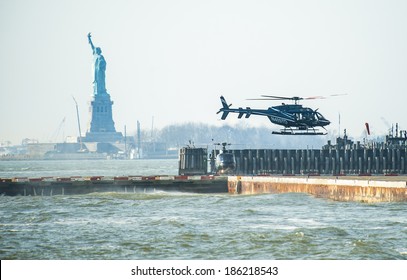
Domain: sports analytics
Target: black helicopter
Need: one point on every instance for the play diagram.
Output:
(296, 119)
(224, 162)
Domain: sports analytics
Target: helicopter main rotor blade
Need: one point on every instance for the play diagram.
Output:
(338, 94)
(315, 97)
(295, 98)
(261, 99)
(273, 97)
(325, 97)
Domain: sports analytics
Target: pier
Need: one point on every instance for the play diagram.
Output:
(49, 186)
(328, 161)
(360, 189)
(342, 172)
(345, 157)
(370, 190)
(338, 160)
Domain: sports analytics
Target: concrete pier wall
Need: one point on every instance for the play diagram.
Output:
(126, 184)
(337, 189)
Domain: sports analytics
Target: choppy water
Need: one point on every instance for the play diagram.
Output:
(64, 168)
(191, 226)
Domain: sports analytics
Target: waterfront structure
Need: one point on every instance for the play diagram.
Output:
(101, 127)
(377, 189)
(344, 158)
(193, 161)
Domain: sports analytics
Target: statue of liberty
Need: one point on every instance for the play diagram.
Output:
(99, 68)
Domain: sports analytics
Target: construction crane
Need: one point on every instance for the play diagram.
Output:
(79, 124)
(60, 128)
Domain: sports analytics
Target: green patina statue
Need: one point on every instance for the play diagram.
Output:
(99, 68)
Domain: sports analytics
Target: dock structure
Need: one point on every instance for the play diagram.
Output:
(343, 158)
(360, 189)
(193, 161)
(344, 172)
(49, 186)
(329, 161)
(370, 190)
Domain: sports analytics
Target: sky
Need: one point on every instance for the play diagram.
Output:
(169, 61)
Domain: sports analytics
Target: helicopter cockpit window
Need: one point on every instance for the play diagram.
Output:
(297, 116)
(307, 116)
(319, 116)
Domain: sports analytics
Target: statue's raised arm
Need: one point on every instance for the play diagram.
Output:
(90, 42)
(99, 68)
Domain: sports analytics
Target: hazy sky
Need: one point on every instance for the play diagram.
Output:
(171, 60)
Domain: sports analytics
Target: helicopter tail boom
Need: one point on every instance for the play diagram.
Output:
(247, 112)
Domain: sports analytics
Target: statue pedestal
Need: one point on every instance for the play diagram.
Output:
(103, 137)
(101, 127)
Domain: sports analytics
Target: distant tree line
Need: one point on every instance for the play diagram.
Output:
(240, 137)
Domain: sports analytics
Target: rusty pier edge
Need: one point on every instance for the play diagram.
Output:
(360, 190)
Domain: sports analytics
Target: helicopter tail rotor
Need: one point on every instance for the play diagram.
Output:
(224, 109)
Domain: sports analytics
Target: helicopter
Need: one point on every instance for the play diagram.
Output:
(296, 119)
(224, 162)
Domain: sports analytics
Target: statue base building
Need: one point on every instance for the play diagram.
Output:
(104, 137)
(101, 127)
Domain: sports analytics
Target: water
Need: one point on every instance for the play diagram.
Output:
(64, 168)
(189, 226)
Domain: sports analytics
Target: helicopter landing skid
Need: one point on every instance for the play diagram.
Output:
(298, 132)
